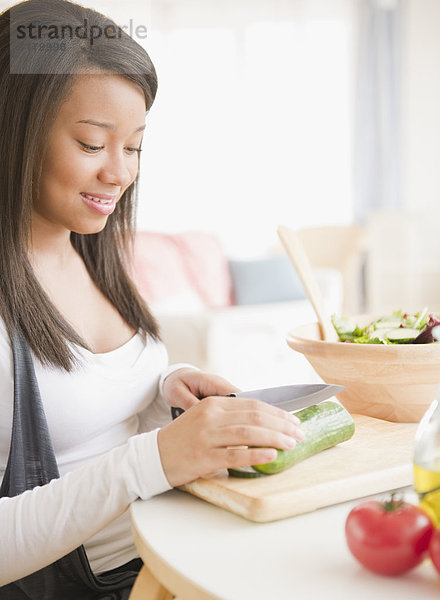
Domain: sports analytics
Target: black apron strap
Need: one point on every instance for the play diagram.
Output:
(31, 463)
(31, 459)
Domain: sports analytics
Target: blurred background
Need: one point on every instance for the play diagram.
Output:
(322, 115)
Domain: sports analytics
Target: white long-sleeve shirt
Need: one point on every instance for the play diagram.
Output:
(96, 415)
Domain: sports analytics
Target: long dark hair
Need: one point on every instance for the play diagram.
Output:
(33, 85)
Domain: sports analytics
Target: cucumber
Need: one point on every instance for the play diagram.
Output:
(346, 328)
(245, 472)
(401, 335)
(387, 324)
(325, 425)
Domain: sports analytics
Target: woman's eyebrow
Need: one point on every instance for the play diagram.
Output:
(107, 125)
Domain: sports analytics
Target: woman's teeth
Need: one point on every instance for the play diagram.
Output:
(97, 199)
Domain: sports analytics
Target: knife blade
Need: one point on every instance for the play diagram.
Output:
(289, 397)
(294, 397)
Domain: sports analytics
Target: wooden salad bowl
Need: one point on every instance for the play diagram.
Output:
(395, 382)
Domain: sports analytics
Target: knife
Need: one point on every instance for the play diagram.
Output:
(288, 397)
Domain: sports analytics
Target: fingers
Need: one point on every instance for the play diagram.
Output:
(184, 387)
(247, 435)
(205, 437)
(218, 387)
(256, 411)
(243, 457)
(248, 422)
(255, 426)
(183, 397)
(205, 384)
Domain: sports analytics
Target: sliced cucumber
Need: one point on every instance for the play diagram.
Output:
(346, 328)
(344, 324)
(422, 319)
(401, 335)
(391, 323)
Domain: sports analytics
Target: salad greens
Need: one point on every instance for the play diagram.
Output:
(398, 328)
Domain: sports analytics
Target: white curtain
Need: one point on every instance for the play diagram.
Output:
(378, 132)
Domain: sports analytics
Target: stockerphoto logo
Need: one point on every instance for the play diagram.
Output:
(38, 47)
(51, 32)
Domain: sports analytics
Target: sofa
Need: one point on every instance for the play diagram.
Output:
(224, 315)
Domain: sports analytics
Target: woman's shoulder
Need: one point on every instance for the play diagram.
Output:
(5, 344)
(6, 360)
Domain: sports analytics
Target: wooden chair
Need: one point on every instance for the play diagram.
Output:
(403, 267)
(147, 587)
(341, 247)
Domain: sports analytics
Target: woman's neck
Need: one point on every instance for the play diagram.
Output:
(49, 246)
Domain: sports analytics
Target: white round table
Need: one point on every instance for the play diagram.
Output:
(198, 551)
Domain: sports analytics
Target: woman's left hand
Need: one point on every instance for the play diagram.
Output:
(186, 387)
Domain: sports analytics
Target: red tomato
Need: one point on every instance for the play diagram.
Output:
(434, 549)
(388, 537)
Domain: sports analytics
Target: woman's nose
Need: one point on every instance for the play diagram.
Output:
(116, 172)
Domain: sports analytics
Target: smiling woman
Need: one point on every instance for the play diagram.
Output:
(98, 157)
(89, 164)
(85, 385)
(66, 85)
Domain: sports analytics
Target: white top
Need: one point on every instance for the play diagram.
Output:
(95, 416)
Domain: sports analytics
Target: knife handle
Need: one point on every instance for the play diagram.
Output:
(176, 412)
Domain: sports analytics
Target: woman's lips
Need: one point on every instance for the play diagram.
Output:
(102, 203)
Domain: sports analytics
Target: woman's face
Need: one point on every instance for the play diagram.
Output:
(92, 154)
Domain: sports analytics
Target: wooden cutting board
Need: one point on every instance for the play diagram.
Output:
(377, 458)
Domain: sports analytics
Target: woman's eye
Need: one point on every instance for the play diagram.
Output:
(133, 150)
(89, 148)
(93, 149)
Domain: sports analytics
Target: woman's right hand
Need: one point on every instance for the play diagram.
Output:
(205, 437)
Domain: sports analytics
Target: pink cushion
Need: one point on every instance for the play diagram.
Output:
(166, 265)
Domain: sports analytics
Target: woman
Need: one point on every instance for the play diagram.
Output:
(85, 390)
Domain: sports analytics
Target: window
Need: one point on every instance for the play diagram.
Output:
(253, 122)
